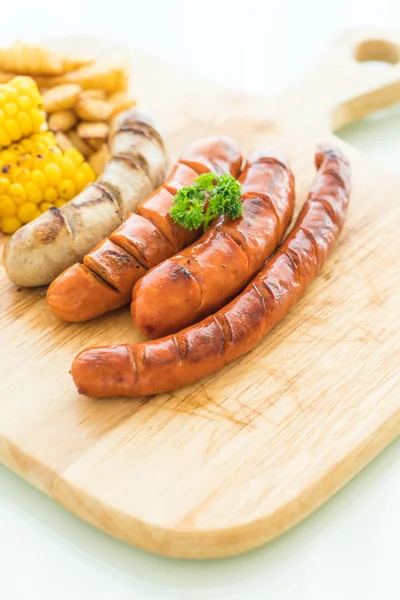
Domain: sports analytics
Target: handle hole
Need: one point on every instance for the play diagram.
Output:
(377, 51)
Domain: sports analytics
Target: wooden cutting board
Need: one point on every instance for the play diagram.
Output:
(227, 464)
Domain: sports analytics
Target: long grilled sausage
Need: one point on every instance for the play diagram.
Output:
(177, 360)
(43, 248)
(105, 280)
(207, 275)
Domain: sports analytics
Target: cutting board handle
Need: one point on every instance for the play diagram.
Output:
(347, 84)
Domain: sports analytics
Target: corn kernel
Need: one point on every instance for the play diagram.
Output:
(4, 185)
(80, 181)
(11, 109)
(39, 179)
(2, 97)
(25, 103)
(59, 203)
(33, 193)
(45, 206)
(7, 207)
(53, 173)
(5, 139)
(10, 224)
(2, 116)
(87, 171)
(17, 194)
(10, 93)
(50, 194)
(37, 118)
(13, 129)
(66, 189)
(74, 155)
(8, 157)
(27, 212)
(21, 175)
(24, 123)
(67, 166)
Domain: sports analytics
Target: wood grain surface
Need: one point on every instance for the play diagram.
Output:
(226, 464)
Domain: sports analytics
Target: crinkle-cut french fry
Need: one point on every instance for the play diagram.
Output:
(106, 77)
(98, 159)
(61, 97)
(89, 109)
(120, 101)
(26, 59)
(78, 143)
(63, 120)
(101, 75)
(94, 94)
(62, 141)
(93, 131)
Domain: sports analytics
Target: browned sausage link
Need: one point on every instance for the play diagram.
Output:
(207, 275)
(105, 280)
(177, 360)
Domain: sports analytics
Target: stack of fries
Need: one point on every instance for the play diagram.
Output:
(81, 95)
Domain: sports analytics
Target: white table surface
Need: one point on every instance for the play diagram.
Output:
(348, 549)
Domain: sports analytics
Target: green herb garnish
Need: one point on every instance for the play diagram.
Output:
(210, 195)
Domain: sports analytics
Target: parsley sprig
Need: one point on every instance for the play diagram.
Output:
(210, 195)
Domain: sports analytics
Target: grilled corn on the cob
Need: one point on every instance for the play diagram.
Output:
(21, 110)
(34, 175)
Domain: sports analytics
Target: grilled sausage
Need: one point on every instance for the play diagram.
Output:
(177, 360)
(105, 280)
(43, 248)
(207, 275)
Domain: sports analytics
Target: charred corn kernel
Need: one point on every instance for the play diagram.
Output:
(53, 173)
(36, 175)
(27, 212)
(7, 207)
(45, 206)
(10, 224)
(66, 189)
(60, 203)
(33, 193)
(17, 194)
(21, 110)
(50, 194)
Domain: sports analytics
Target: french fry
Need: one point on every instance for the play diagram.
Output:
(61, 97)
(78, 143)
(62, 141)
(120, 101)
(95, 134)
(62, 120)
(94, 94)
(89, 109)
(101, 75)
(26, 59)
(98, 159)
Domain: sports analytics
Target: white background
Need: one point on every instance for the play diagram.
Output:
(349, 549)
